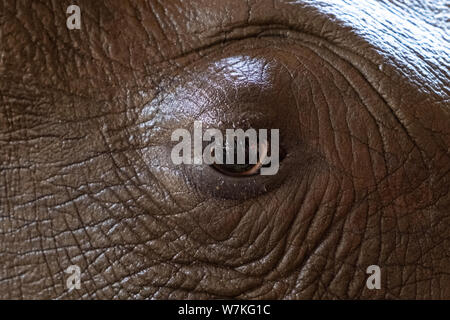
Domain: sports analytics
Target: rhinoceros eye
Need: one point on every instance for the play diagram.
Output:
(262, 89)
(249, 167)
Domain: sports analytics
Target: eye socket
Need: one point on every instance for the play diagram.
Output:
(238, 92)
(246, 169)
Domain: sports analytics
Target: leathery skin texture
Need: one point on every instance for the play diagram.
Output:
(358, 89)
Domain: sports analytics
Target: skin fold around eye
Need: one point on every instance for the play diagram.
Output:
(252, 90)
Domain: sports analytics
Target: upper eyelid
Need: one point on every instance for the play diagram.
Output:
(211, 52)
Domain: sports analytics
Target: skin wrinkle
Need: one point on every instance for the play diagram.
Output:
(133, 221)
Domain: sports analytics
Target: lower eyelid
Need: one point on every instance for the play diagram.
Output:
(209, 182)
(253, 171)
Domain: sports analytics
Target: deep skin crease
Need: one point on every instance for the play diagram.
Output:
(358, 89)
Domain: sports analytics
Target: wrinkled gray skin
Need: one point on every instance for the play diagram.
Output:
(358, 89)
